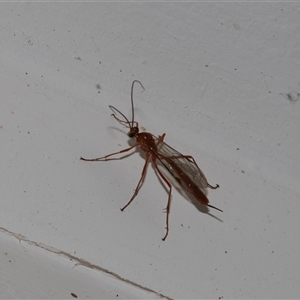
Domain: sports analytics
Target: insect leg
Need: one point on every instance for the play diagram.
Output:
(106, 156)
(160, 139)
(208, 185)
(139, 183)
(192, 160)
(213, 187)
(169, 196)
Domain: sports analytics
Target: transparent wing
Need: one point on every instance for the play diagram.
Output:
(177, 163)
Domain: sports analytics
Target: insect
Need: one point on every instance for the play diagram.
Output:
(182, 167)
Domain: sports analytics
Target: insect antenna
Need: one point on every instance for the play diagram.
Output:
(132, 107)
(126, 123)
(132, 125)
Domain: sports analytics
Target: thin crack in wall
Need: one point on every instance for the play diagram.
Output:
(80, 261)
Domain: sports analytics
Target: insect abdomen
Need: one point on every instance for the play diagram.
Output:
(187, 182)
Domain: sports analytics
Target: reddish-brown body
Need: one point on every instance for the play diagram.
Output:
(182, 167)
(147, 143)
(188, 184)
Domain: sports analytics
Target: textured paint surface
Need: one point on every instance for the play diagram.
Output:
(221, 80)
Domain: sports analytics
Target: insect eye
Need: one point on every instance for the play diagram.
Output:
(133, 132)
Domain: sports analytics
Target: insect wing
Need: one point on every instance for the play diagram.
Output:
(175, 161)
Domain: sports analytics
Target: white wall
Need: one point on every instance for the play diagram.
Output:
(221, 80)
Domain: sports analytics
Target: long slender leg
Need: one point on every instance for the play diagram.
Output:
(140, 181)
(192, 160)
(169, 196)
(106, 156)
(213, 187)
(161, 138)
(189, 157)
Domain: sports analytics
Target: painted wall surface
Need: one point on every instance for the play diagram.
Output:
(221, 80)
